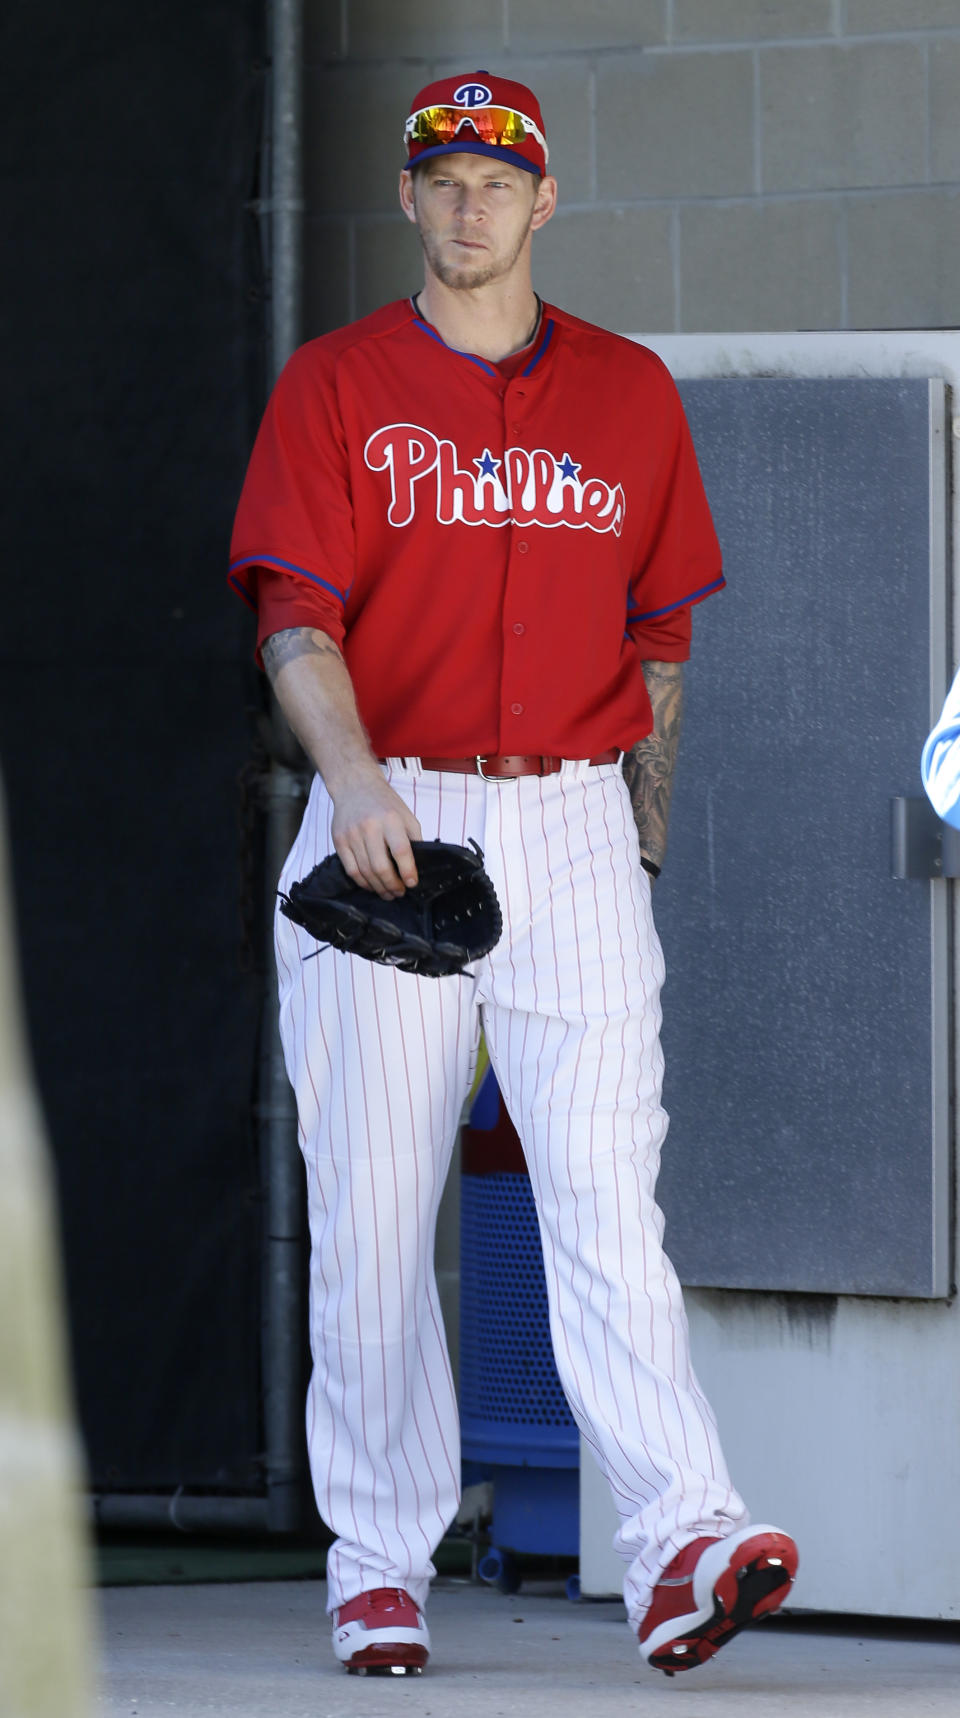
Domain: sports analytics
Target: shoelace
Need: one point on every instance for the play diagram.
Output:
(390, 1599)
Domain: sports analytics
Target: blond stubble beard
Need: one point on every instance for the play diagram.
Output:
(463, 277)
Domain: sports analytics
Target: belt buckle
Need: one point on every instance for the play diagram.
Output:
(499, 777)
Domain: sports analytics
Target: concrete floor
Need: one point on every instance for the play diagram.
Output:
(261, 1650)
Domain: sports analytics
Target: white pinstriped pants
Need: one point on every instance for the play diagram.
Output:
(381, 1062)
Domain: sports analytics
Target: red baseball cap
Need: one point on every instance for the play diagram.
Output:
(477, 114)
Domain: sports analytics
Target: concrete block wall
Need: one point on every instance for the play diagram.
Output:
(723, 164)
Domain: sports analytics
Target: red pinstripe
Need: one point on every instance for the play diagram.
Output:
(424, 1451)
(592, 1111)
(439, 1338)
(591, 1108)
(639, 931)
(361, 1443)
(387, 1383)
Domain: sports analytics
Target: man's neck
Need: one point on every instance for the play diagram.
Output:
(493, 324)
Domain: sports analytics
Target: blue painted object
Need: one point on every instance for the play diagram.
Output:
(515, 1420)
(537, 1509)
(485, 1109)
(498, 1569)
(512, 1406)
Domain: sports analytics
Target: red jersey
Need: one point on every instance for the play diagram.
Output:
(495, 553)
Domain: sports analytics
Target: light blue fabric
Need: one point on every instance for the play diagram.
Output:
(940, 763)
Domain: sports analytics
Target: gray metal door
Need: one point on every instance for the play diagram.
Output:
(806, 999)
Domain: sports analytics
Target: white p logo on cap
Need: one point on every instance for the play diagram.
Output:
(472, 95)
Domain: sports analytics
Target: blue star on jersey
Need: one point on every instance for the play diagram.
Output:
(488, 466)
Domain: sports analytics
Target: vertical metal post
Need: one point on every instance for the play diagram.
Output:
(285, 201)
(282, 1172)
(284, 1227)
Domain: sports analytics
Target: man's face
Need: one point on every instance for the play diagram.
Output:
(474, 215)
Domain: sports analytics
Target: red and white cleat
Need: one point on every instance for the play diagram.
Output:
(381, 1633)
(711, 1590)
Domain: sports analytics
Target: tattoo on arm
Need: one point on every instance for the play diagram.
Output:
(283, 647)
(648, 766)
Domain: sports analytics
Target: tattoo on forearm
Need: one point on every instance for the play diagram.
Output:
(648, 766)
(283, 647)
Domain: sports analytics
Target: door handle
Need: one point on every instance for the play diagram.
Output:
(921, 845)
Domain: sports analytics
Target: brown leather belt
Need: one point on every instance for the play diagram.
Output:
(504, 768)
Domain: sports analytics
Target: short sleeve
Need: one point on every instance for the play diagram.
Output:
(666, 639)
(284, 601)
(679, 561)
(295, 514)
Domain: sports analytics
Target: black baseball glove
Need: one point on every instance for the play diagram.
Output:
(451, 918)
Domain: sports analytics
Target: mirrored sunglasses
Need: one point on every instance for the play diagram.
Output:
(499, 126)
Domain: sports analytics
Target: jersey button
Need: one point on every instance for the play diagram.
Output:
(522, 548)
(519, 627)
(516, 709)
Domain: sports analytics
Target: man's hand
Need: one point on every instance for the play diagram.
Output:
(372, 830)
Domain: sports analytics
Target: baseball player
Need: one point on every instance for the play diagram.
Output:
(473, 529)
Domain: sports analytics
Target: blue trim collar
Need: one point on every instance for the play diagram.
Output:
(481, 363)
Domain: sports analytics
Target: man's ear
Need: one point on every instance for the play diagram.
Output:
(407, 196)
(545, 202)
